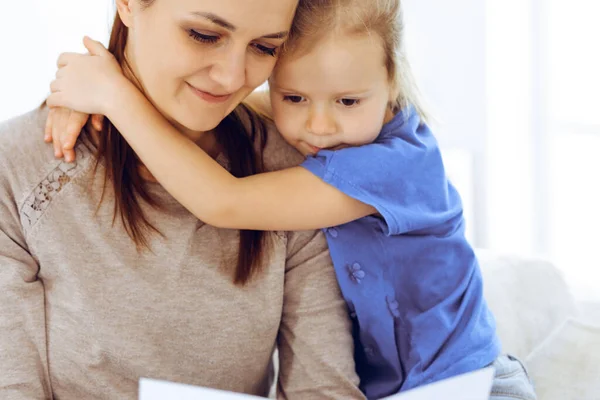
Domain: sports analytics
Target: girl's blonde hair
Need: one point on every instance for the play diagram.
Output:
(383, 18)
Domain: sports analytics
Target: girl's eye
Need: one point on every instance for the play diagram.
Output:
(265, 50)
(203, 38)
(350, 102)
(293, 99)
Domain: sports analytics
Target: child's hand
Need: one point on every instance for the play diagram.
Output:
(87, 83)
(63, 127)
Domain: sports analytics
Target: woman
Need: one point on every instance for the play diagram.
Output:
(147, 290)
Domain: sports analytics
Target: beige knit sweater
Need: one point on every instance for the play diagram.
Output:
(83, 315)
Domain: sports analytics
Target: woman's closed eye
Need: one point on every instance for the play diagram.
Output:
(266, 50)
(204, 38)
(261, 49)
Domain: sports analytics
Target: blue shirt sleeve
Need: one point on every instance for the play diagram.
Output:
(401, 175)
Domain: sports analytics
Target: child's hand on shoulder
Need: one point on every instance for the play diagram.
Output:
(63, 127)
(88, 83)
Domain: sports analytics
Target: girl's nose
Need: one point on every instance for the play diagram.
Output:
(321, 122)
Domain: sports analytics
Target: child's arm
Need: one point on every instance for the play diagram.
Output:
(291, 199)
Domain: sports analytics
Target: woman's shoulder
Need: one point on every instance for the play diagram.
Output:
(26, 161)
(277, 153)
(22, 141)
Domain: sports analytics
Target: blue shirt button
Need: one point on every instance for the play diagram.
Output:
(356, 272)
(369, 351)
(351, 310)
(393, 306)
(333, 232)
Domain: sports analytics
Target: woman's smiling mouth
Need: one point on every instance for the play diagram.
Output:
(210, 97)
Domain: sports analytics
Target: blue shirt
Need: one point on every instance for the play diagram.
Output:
(411, 280)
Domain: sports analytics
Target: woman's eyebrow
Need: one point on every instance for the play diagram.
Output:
(278, 35)
(215, 19)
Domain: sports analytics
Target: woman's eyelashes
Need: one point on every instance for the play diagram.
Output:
(212, 39)
(269, 51)
(200, 37)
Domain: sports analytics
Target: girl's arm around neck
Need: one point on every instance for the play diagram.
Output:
(290, 199)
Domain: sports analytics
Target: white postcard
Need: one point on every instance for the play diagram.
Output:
(151, 389)
(472, 386)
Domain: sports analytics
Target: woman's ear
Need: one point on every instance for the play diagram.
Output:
(124, 8)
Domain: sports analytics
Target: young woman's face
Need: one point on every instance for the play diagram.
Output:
(197, 60)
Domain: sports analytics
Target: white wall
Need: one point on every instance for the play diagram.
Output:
(33, 33)
(513, 85)
(446, 47)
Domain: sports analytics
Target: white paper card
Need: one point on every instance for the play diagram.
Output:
(151, 389)
(472, 386)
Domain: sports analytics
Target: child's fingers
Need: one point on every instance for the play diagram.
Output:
(94, 47)
(69, 136)
(69, 155)
(59, 125)
(57, 150)
(55, 100)
(48, 127)
(65, 58)
(75, 124)
(60, 73)
(55, 86)
(97, 121)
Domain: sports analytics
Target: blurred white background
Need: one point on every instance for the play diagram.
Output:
(513, 86)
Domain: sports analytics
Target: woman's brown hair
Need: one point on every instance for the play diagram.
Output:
(122, 169)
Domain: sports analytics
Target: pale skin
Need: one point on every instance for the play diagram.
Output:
(340, 105)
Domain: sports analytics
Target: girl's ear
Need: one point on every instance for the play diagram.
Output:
(394, 91)
(125, 11)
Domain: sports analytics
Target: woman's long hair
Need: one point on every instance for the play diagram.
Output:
(123, 173)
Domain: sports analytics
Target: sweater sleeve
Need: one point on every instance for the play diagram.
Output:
(315, 342)
(23, 360)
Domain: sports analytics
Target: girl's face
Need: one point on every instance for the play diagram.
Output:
(337, 94)
(196, 60)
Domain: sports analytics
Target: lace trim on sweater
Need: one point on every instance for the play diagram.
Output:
(42, 195)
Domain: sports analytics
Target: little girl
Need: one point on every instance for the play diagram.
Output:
(373, 178)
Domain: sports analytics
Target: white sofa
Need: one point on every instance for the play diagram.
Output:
(540, 322)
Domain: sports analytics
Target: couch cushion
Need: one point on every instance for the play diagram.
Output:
(528, 297)
(565, 366)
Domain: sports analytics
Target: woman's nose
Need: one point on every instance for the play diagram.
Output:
(229, 71)
(321, 122)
